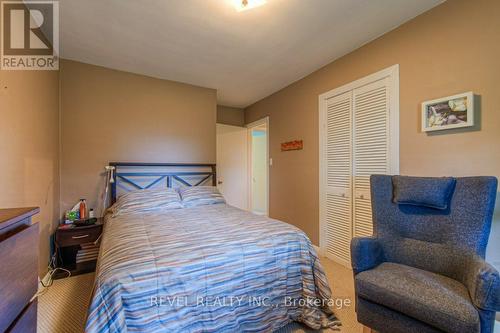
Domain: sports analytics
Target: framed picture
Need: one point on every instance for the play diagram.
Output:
(448, 112)
(292, 145)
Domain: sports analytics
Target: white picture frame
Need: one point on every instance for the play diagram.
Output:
(449, 112)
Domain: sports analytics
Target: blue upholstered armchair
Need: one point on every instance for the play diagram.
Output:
(424, 269)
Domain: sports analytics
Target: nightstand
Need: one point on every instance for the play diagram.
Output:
(76, 248)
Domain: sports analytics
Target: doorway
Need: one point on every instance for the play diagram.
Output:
(258, 166)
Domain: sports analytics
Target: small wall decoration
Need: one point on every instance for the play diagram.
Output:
(448, 112)
(292, 145)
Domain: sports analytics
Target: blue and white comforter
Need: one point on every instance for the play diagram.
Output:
(206, 269)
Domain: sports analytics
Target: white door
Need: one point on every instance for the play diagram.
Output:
(336, 179)
(232, 164)
(359, 137)
(371, 154)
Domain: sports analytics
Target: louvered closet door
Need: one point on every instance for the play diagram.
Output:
(337, 196)
(370, 148)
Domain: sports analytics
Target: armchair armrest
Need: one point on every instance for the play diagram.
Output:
(366, 253)
(483, 282)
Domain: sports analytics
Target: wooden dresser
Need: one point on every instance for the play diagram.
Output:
(18, 270)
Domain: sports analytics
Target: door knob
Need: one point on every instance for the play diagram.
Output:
(219, 182)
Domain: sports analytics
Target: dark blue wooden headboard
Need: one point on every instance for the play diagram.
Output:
(151, 174)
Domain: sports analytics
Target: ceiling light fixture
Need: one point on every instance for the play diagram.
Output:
(242, 5)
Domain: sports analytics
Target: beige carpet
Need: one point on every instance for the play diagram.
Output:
(62, 309)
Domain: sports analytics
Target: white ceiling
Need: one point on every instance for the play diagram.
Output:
(244, 55)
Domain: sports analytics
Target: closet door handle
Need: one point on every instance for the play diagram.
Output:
(78, 237)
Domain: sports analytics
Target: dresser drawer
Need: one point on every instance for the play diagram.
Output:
(26, 322)
(18, 272)
(78, 236)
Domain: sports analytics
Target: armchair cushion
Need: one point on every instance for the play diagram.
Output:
(431, 298)
(429, 192)
(481, 279)
(483, 282)
(366, 253)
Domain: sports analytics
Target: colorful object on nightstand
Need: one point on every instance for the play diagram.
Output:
(72, 216)
(83, 209)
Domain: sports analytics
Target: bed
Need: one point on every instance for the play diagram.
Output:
(206, 268)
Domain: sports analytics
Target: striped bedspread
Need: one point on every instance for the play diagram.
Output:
(206, 269)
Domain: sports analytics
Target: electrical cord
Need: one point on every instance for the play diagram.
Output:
(52, 269)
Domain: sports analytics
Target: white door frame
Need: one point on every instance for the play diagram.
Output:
(392, 73)
(250, 126)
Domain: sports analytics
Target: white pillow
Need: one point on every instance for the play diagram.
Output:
(200, 195)
(147, 200)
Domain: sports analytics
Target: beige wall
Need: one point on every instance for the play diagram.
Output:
(109, 115)
(230, 116)
(29, 148)
(451, 49)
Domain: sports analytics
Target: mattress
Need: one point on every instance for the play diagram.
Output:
(211, 268)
